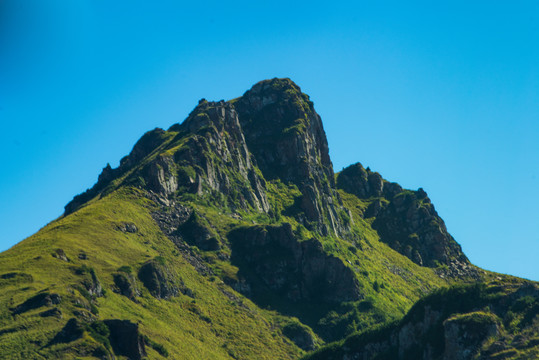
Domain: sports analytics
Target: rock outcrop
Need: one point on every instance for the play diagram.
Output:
(297, 270)
(458, 323)
(300, 335)
(220, 146)
(286, 136)
(148, 143)
(465, 333)
(126, 285)
(126, 339)
(215, 159)
(159, 279)
(90, 281)
(197, 231)
(37, 301)
(406, 220)
(72, 330)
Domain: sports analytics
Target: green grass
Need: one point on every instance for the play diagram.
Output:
(390, 283)
(244, 332)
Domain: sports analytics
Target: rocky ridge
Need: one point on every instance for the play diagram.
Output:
(406, 220)
(229, 235)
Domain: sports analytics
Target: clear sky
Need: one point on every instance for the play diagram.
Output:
(444, 97)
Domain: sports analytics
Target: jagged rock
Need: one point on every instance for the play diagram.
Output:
(146, 144)
(90, 280)
(127, 227)
(144, 147)
(360, 182)
(219, 156)
(160, 175)
(159, 279)
(37, 301)
(273, 125)
(84, 316)
(405, 220)
(297, 270)
(170, 219)
(459, 323)
(286, 136)
(411, 225)
(126, 339)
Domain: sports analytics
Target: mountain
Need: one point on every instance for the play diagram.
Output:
(229, 236)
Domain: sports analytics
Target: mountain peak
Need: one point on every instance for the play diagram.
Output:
(205, 226)
(287, 138)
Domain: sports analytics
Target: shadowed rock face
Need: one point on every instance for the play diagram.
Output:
(196, 231)
(125, 339)
(464, 333)
(126, 285)
(72, 330)
(284, 132)
(262, 158)
(300, 335)
(405, 220)
(300, 271)
(273, 126)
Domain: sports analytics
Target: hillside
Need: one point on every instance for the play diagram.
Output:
(229, 236)
(498, 320)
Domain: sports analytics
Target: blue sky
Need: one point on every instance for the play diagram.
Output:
(444, 97)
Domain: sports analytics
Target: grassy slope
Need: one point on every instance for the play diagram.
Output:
(390, 282)
(178, 324)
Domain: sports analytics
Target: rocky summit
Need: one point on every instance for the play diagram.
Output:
(230, 236)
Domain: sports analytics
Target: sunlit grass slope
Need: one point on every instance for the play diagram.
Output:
(210, 323)
(207, 325)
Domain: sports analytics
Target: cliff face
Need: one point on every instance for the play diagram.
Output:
(286, 136)
(297, 270)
